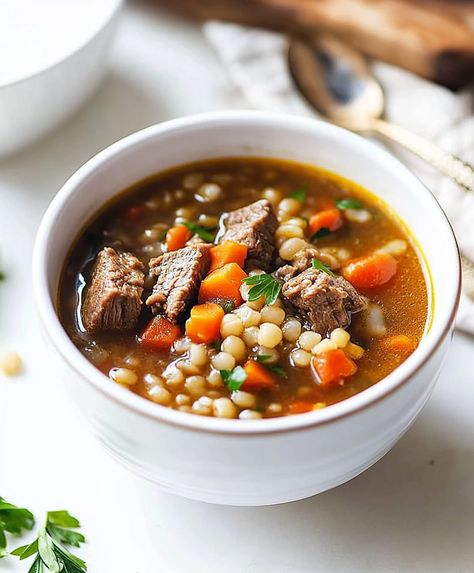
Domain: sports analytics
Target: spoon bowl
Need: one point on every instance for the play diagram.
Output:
(336, 81)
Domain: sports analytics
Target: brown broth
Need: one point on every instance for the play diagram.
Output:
(122, 224)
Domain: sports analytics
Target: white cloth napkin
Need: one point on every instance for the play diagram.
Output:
(256, 62)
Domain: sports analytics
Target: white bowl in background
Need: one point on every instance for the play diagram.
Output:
(254, 462)
(53, 55)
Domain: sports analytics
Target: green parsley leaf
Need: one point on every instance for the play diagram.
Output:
(278, 370)
(263, 285)
(299, 195)
(234, 379)
(200, 231)
(2, 276)
(26, 550)
(50, 547)
(227, 305)
(348, 204)
(323, 232)
(317, 264)
(13, 520)
(262, 357)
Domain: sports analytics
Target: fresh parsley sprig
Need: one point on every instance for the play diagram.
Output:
(50, 549)
(323, 232)
(263, 285)
(200, 231)
(299, 195)
(234, 378)
(274, 368)
(13, 519)
(348, 204)
(317, 264)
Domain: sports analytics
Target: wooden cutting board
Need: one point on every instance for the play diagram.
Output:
(433, 38)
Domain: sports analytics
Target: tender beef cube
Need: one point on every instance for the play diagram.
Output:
(178, 276)
(303, 260)
(195, 240)
(113, 298)
(254, 226)
(322, 301)
(286, 272)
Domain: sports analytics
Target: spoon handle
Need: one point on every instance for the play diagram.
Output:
(455, 168)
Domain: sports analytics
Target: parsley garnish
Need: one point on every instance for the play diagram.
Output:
(317, 264)
(234, 379)
(200, 231)
(227, 305)
(348, 204)
(299, 195)
(278, 370)
(263, 284)
(2, 276)
(13, 520)
(323, 232)
(49, 547)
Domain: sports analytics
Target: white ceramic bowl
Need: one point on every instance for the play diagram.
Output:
(253, 462)
(41, 88)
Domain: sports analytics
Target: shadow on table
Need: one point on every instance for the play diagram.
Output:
(117, 109)
(410, 509)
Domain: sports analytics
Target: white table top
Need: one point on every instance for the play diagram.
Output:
(413, 511)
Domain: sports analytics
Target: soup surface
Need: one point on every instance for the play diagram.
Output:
(245, 288)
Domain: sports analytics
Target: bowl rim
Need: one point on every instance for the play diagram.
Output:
(115, 6)
(162, 414)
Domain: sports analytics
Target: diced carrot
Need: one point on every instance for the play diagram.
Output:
(228, 252)
(300, 407)
(398, 344)
(160, 334)
(258, 377)
(135, 212)
(177, 237)
(223, 284)
(330, 219)
(205, 322)
(331, 366)
(371, 271)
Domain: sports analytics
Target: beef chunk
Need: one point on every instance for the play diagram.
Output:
(303, 260)
(254, 226)
(113, 298)
(322, 301)
(178, 276)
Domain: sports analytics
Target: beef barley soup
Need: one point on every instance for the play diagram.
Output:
(245, 288)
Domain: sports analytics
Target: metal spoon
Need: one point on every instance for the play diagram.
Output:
(337, 82)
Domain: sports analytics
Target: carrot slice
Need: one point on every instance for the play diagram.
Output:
(223, 284)
(330, 219)
(371, 271)
(135, 212)
(331, 366)
(228, 252)
(300, 407)
(160, 334)
(177, 237)
(398, 344)
(204, 324)
(258, 377)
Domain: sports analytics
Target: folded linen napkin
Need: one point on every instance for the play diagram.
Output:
(256, 62)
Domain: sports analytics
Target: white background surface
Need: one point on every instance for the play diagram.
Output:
(413, 511)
